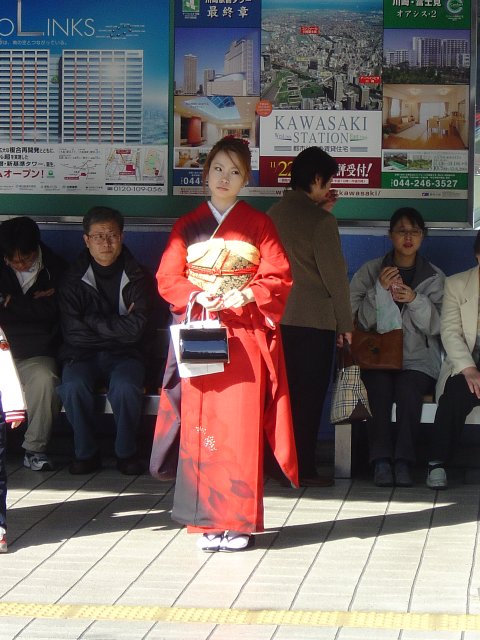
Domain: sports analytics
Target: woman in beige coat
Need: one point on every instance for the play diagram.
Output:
(318, 312)
(458, 387)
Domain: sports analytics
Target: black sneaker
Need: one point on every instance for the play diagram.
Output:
(402, 474)
(82, 467)
(130, 466)
(383, 475)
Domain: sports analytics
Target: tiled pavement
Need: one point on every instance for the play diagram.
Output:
(107, 541)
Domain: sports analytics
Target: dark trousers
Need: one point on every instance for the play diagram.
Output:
(3, 475)
(309, 357)
(454, 405)
(124, 378)
(406, 389)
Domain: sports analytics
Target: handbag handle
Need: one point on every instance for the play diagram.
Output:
(188, 311)
(344, 354)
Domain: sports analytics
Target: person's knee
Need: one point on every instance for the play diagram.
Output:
(74, 387)
(47, 379)
(406, 395)
(455, 390)
(125, 387)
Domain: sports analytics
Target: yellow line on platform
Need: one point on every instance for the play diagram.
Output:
(358, 619)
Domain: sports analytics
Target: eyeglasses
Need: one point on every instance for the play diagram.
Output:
(415, 233)
(100, 238)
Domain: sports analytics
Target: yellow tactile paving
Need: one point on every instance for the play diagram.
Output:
(358, 619)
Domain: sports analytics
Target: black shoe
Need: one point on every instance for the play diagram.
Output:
(81, 467)
(402, 474)
(130, 466)
(383, 475)
(317, 481)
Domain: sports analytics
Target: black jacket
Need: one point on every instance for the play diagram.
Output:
(88, 324)
(32, 324)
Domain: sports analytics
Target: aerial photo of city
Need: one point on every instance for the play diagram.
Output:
(318, 56)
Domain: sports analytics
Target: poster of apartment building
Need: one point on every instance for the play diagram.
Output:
(84, 97)
(321, 76)
(216, 85)
(427, 51)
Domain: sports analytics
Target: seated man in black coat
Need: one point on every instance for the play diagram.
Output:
(29, 276)
(105, 304)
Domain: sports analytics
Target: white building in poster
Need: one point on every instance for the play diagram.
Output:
(190, 65)
(453, 50)
(24, 95)
(102, 96)
(239, 59)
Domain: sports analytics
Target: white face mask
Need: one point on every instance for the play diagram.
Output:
(27, 278)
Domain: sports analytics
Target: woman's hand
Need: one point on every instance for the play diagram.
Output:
(344, 337)
(389, 275)
(403, 293)
(234, 299)
(472, 376)
(330, 200)
(210, 302)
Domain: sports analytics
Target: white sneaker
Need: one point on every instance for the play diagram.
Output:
(37, 461)
(437, 478)
(235, 541)
(3, 541)
(210, 542)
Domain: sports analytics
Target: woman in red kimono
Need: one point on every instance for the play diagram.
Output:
(227, 256)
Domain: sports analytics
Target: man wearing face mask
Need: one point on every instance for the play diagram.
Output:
(29, 277)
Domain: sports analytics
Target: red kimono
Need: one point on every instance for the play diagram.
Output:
(225, 416)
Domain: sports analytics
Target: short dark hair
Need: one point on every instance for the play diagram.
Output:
(311, 163)
(476, 245)
(19, 235)
(102, 214)
(412, 215)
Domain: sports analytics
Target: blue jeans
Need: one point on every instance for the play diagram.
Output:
(124, 378)
(3, 475)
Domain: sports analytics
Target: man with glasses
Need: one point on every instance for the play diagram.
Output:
(105, 303)
(29, 276)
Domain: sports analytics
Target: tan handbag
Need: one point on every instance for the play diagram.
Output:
(349, 396)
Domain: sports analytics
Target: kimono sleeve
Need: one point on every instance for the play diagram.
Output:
(273, 280)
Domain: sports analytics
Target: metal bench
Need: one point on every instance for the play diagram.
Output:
(343, 437)
(150, 404)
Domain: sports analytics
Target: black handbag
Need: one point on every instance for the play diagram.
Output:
(203, 345)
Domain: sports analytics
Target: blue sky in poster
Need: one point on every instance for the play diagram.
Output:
(402, 38)
(94, 24)
(210, 48)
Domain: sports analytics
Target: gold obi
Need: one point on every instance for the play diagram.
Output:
(219, 265)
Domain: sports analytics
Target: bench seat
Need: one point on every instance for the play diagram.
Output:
(343, 437)
(150, 404)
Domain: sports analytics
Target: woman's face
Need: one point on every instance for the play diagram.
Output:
(319, 191)
(406, 237)
(225, 179)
